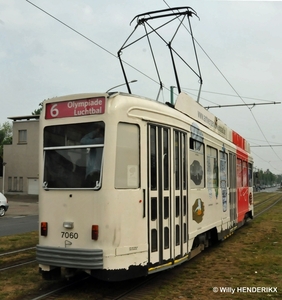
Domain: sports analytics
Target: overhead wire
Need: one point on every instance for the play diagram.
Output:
(230, 95)
(87, 38)
(232, 87)
(71, 28)
(104, 49)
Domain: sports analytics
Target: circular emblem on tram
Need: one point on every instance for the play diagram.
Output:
(198, 210)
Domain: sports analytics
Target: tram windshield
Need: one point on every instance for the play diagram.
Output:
(73, 156)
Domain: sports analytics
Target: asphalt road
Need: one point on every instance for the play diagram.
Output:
(22, 215)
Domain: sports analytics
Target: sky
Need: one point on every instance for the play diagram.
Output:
(239, 46)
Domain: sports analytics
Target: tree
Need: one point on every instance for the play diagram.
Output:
(38, 110)
(6, 138)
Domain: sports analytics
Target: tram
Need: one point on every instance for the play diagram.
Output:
(131, 186)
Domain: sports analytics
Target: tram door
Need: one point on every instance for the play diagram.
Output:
(167, 199)
(232, 188)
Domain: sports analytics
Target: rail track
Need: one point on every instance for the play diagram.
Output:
(17, 251)
(266, 204)
(132, 289)
(17, 265)
(12, 259)
(106, 290)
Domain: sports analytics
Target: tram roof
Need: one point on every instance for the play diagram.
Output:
(196, 111)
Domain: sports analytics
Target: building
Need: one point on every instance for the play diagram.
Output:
(20, 166)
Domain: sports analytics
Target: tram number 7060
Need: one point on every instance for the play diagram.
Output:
(69, 235)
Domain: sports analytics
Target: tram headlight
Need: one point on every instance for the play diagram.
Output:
(95, 232)
(44, 228)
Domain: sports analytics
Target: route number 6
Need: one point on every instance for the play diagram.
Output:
(54, 111)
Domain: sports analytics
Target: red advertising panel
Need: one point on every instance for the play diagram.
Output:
(238, 140)
(76, 108)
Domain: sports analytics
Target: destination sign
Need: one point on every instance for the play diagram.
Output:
(75, 108)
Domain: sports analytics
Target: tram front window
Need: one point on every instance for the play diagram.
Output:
(73, 156)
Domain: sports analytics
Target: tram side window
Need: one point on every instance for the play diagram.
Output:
(153, 156)
(239, 173)
(197, 164)
(250, 175)
(212, 168)
(245, 174)
(223, 179)
(176, 158)
(223, 170)
(180, 160)
(166, 158)
(127, 157)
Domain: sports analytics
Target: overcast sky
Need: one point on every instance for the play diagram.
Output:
(40, 58)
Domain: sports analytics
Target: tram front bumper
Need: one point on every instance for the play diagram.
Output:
(70, 258)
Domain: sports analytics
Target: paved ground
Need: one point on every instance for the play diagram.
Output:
(22, 205)
(27, 205)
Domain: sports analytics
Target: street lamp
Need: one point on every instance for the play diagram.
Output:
(3, 181)
(132, 81)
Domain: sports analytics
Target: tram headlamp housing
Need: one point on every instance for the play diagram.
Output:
(68, 225)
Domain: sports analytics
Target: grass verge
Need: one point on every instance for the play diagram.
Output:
(252, 257)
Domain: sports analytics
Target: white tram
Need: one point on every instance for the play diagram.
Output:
(131, 186)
